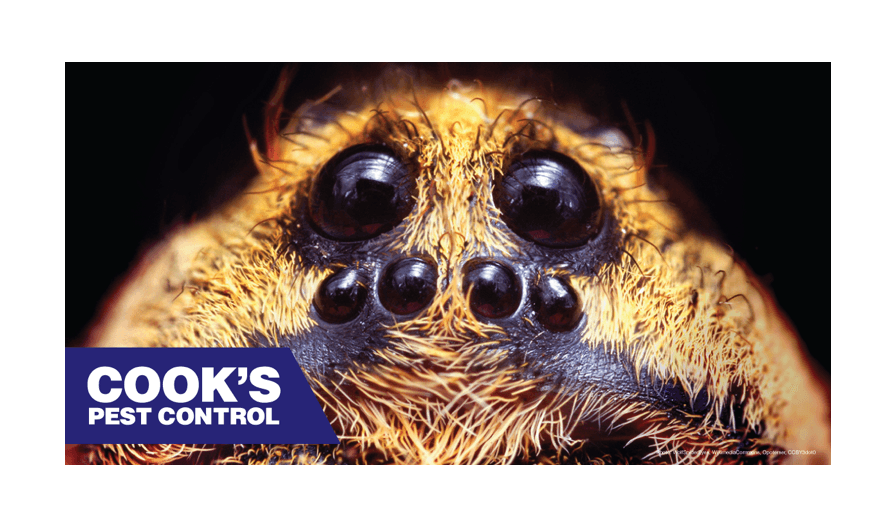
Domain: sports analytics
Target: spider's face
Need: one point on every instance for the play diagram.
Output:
(465, 278)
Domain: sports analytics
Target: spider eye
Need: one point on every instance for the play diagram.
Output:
(557, 306)
(360, 193)
(547, 198)
(493, 289)
(408, 285)
(341, 296)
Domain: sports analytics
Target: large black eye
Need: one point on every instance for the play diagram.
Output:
(362, 192)
(547, 198)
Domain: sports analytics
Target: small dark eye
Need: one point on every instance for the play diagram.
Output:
(341, 296)
(408, 285)
(493, 289)
(361, 193)
(556, 304)
(547, 198)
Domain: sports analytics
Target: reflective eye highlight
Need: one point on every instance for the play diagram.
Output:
(547, 198)
(360, 193)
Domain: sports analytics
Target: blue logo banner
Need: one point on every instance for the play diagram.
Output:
(190, 396)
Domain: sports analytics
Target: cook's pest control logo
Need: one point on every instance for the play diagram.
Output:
(190, 396)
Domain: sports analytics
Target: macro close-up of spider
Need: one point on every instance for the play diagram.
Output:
(472, 264)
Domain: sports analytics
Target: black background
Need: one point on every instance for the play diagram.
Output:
(150, 146)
